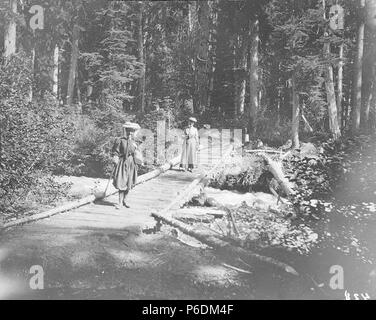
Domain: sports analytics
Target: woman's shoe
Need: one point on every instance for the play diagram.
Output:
(117, 206)
(125, 205)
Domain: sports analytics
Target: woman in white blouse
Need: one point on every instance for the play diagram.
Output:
(190, 146)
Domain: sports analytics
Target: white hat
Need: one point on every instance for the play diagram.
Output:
(192, 119)
(131, 125)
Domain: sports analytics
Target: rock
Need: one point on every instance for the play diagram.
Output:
(260, 205)
(259, 200)
(313, 237)
(253, 236)
(230, 198)
(287, 145)
(308, 149)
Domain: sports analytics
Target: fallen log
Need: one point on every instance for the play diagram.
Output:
(235, 268)
(198, 214)
(188, 217)
(222, 246)
(263, 150)
(275, 169)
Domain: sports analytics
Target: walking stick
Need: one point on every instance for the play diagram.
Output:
(101, 195)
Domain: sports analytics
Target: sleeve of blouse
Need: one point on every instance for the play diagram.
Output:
(184, 135)
(131, 146)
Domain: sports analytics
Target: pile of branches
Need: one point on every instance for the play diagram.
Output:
(258, 229)
(254, 179)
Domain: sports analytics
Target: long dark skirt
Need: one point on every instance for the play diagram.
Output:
(125, 174)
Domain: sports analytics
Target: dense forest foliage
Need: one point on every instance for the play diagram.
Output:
(72, 72)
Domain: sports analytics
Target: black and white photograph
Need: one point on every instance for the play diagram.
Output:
(210, 151)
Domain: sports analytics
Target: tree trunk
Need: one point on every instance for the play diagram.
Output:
(192, 22)
(253, 76)
(211, 52)
(140, 38)
(369, 93)
(372, 108)
(330, 96)
(10, 32)
(73, 64)
(357, 83)
(241, 94)
(329, 86)
(371, 14)
(340, 86)
(240, 73)
(191, 15)
(295, 114)
(367, 108)
(369, 64)
(55, 73)
(279, 100)
(32, 71)
(201, 59)
(78, 92)
(223, 93)
(211, 75)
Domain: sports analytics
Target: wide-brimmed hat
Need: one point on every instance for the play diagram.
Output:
(131, 126)
(192, 119)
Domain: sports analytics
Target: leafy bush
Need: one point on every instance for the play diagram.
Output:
(273, 134)
(150, 120)
(90, 154)
(316, 178)
(217, 121)
(313, 183)
(34, 136)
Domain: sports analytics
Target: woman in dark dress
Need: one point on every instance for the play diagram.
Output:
(125, 173)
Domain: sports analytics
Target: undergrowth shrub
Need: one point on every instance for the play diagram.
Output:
(90, 154)
(35, 136)
(316, 178)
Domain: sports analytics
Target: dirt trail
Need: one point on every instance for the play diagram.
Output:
(122, 262)
(96, 251)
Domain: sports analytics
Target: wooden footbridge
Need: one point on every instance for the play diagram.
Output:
(80, 239)
(75, 242)
(160, 191)
(164, 189)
